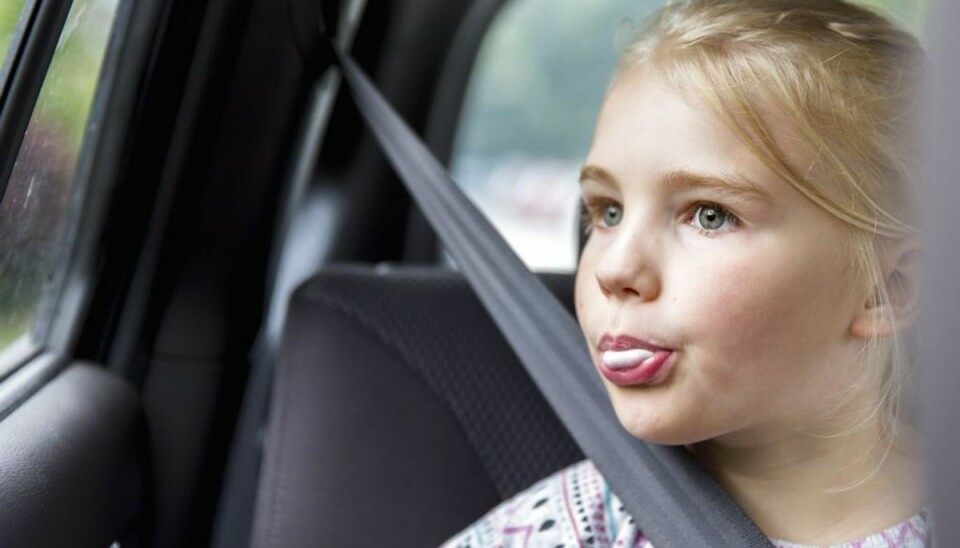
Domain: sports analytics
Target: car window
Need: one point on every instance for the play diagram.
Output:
(38, 197)
(912, 14)
(528, 115)
(10, 11)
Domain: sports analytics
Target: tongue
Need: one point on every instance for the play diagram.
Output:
(622, 359)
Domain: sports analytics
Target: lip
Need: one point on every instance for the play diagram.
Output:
(626, 342)
(649, 370)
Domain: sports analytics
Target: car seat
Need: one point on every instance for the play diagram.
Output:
(399, 414)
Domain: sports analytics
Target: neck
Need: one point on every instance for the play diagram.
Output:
(816, 488)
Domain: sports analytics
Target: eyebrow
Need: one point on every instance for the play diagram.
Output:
(730, 185)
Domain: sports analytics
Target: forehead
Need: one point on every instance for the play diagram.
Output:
(648, 127)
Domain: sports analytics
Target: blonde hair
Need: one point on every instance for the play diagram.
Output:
(848, 81)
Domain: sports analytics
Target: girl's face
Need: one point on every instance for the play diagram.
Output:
(715, 299)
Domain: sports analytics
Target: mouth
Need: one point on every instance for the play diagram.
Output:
(629, 361)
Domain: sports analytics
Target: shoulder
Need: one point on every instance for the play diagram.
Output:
(573, 507)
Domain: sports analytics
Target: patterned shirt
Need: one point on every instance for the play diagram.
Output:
(575, 508)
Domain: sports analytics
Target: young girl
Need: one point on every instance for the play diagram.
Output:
(751, 273)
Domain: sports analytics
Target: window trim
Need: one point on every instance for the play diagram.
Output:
(24, 381)
(29, 362)
(25, 75)
(17, 353)
(101, 163)
(445, 116)
(100, 160)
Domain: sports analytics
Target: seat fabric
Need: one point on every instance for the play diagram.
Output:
(399, 413)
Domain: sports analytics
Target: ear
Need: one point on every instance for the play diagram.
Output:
(902, 284)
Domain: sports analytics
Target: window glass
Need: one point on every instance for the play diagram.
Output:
(35, 205)
(9, 17)
(912, 14)
(528, 116)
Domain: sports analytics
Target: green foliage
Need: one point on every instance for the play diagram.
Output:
(12, 329)
(71, 80)
(68, 90)
(9, 16)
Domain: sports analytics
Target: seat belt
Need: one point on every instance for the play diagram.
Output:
(675, 502)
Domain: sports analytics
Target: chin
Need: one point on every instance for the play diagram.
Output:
(660, 428)
(660, 436)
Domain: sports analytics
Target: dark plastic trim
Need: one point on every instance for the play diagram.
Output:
(133, 316)
(105, 149)
(421, 243)
(72, 462)
(18, 387)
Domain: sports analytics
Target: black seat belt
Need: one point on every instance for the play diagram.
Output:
(675, 502)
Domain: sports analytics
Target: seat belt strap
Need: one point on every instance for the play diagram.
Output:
(675, 502)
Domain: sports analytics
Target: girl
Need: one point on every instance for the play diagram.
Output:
(750, 273)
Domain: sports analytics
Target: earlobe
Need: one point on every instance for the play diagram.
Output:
(896, 305)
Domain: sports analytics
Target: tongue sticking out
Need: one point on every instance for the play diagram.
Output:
(625, 359)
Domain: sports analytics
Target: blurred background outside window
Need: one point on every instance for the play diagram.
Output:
(9, 17)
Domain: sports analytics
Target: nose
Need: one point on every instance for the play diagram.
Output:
(627, 269)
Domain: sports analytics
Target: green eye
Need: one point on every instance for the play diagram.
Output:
(712, 217)
(612, 215)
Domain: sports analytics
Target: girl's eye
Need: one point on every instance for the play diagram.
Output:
(600, 212)
(612, 215)
(711, 218)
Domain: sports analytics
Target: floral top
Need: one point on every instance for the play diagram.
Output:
(575, 508)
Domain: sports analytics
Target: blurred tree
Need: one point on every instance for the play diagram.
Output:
(9, 16)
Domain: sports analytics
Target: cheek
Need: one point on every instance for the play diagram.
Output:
(734, 299)
(586, 291)
(589, 301)
(754, 317)
(584, 303)
(749, 309)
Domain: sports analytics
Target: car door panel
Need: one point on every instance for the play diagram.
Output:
(71, 462)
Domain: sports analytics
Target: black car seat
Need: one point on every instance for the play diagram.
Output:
(399, 414)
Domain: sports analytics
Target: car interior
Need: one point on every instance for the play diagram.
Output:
(226, 322)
